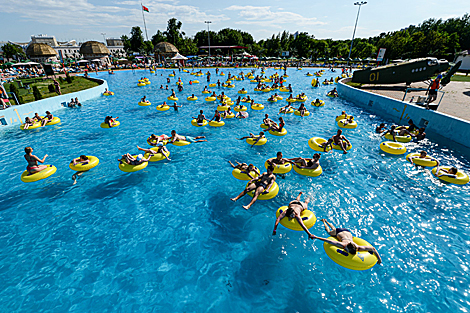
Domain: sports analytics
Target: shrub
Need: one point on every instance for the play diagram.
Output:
(61, 80)
(68, 78)
(36, 93)
(13, 88)
(51, 88)
(20, 100)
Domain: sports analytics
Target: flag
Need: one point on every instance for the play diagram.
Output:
(145, 8)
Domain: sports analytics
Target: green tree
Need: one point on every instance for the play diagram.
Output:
(302, 44)
(127, 44)
(147, 48)
(137, 39)
(11, 50)
(158, 37)
(173, 32)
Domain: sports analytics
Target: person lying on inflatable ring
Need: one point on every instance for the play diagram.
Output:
(309, 164)
(259, 185)
(241, 114)
(333, 93)
(161, 149)
(451, 172)
(245, 168)
(255, 138)
(277, 127)
(393, 131)
(267, 121)
(293, 211)
(345, 240)
(424, 155)
(129, 159)
(175, 137)
(286, 108)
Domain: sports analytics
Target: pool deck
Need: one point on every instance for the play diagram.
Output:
(456, 100)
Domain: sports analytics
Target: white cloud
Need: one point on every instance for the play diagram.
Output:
(263, 15)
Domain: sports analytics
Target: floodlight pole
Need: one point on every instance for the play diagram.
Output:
(354, 33)
(104, 38)
(208, 36)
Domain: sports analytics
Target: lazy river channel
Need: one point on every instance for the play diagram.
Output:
(168, 238)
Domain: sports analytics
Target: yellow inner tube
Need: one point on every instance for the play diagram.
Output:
(271, 193)
(81, 167)
(172, 98)
(405, 139)
(309, 172)
(461, 179)
(105, 125)
(212, 85)
(237, 173)
(128, 168)
(206, 91)
(260, 142)
(222, 108)
(322, 103)
(242, 92)
(257, 106)
(308, 218)
(283, 132)
(315, 142)
(279, 168)
(362, 260)
(341, 123)
(144, 104)
(180, 143)
(34, 126)
(393, 147)
(238, 109)
(157, 157)
(272, 100)
(427, 161)
(191, 98)
(290, 100)
(26, 177)
(141, 84)
(194, 123)
(289, 111)
(55, 120)
(163, 107)
(230, 115)
(342, 117)
(297, 112)
(337, 147)
(210, 99)
(216, 124)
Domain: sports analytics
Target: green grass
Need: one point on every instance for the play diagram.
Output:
(460, 78)
(78, 83)
(354, 85)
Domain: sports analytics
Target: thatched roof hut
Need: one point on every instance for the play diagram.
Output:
(40, 50)
(165, 49)
(94, 48)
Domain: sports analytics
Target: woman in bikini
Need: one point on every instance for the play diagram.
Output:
(345, 240)
(293, 211)
(33, 160)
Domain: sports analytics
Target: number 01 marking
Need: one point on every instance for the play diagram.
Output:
(373, 77)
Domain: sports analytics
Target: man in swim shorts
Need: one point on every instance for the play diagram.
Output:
(259, 185)
(294, 210)
(129, 159)
(245, 168)
(161, 149)
(175, 137)
(255, 138)
(309, 164)
(345, 240)
(340, 140)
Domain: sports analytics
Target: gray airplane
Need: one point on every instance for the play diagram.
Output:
(405, 72)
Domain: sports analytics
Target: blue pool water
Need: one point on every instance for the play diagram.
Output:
(168, 238)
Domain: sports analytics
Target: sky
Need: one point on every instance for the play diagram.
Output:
(87, 19)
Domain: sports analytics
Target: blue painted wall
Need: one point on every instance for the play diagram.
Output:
(436, 123)
(13, 115)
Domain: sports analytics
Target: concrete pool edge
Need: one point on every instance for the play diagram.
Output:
(436, 123)
(16, 114)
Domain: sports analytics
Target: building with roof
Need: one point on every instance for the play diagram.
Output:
(41, 52)
(94, 50)
(463, 56)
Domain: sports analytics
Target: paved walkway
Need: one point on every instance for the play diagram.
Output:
(456, 100)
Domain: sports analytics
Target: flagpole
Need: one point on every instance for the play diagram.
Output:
(142, 8)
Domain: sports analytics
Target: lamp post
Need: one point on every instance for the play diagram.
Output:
(208, 36)
(354, 33)
(104, 38)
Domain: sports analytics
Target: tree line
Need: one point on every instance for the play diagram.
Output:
(433, 37)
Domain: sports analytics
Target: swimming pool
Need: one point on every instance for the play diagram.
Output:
(168, 238)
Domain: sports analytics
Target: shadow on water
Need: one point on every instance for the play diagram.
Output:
(91, 136)
(112, 188)
(224, 224)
